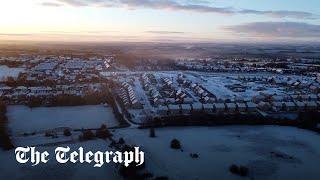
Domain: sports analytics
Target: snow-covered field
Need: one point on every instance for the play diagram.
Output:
(5, 72)
(219, 147)
(23, 119)
(10, 169)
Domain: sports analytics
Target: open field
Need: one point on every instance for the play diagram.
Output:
(23, 119)
(270, 152)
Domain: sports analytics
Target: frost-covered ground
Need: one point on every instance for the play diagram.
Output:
(270, 152)
(216, 84)
(10, 169)
(23, 119)
(5, 72)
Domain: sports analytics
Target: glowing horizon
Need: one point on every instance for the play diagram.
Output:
(155, 20)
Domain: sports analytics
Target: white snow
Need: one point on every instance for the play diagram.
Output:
(24, 119)
(220, 147)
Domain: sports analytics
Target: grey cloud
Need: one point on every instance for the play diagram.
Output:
(281, 14)
(277, 29)
(165, 32)
(201, 6)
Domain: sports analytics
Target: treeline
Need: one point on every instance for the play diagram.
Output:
(305, 120)
(5, 141)
(68, 100)
(21, 81)
(309, 120)
(11, 64)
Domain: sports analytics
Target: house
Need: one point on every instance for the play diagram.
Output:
(163, 110)
(208, 108)
(135, 104)
(46, 66)
(315, 88)
(185, 108)
(313, 97)
(277, 98)
(290, 106)
(311, 105)
(277, 106)
(300, 105)
(5, 89)
(241, 107)
(167, 81)
(174, 109)
(197, 107)
(220, 107)
(22, 89)
(258, 98)
(193, 85)
(251, 107)
(295, 97)
(264, 106)
(170, 100)
(304, 97)
(206, 99)
(188, 100)
(231, 107)
(40, 90)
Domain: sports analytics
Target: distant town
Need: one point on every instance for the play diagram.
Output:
(88, 99)
(185, 87)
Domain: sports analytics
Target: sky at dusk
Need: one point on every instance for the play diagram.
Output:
(160, 20)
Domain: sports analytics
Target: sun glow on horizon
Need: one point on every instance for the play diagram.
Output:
(31, 20)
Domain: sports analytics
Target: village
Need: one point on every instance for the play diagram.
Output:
(145, 96)
(141, 96)
(63, 100)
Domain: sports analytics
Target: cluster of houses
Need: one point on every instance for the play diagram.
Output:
(247, 65)
(238, 107)
(167, 82)
(197, 107)
(204, 95)
(55, 76)
(152, 91)
(219, 65)
(184, 103)
(128, 96)
(16, 93)
(70, 70)
(167, 93)
(61, 69)
(287, 103)
(313, 84)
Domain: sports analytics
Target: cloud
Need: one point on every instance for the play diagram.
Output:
(165, 32)
(77, 3)
(281, 14)
(79, 32)
(200, 6)
(277, 29)
(14, 34)
(51, 4)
